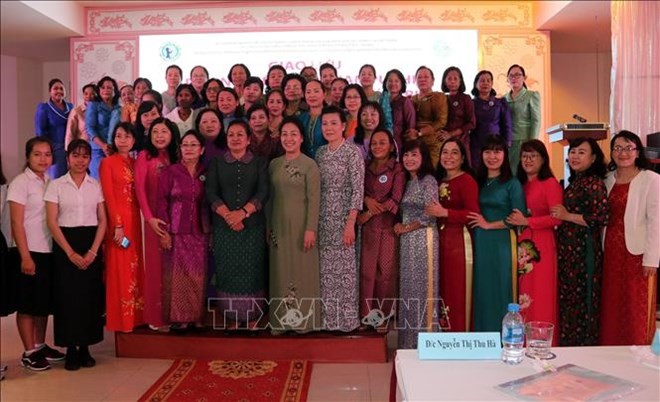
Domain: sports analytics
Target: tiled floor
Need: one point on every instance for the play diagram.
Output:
(121, 379)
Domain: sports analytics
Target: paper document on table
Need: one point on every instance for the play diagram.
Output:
(570, 383)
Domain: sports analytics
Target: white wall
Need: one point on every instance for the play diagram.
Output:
(580, 84)
(8, 116)
(24, 84)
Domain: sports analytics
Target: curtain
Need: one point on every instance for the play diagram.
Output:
(635, 76)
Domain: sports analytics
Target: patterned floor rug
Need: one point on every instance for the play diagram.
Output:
(232, 380)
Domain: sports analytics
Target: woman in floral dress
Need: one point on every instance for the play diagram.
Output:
(342, 189)
(580, 263)
(418, 273)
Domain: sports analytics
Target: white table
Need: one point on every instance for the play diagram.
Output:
(466, 380)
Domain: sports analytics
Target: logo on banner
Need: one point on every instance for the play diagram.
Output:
(170, 52)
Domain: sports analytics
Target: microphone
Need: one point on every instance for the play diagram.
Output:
(579, 118)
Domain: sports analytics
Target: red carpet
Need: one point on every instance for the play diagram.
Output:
(232, 380)
(367, 347)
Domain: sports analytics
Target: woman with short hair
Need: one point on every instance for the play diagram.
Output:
(417, 310)
(342, 190)
(184, 114)
(124, 277)
(632, 245)
(173, 76)
(492, 115)
(404, 119)
(238, 74)
(237, 189)
(160, 151)
(293, 214)
(431, 112)
(537, 247)
(182, 207)
(584, 213)
(209, 125)
(495, 274)
(101, 118)
(75, 127)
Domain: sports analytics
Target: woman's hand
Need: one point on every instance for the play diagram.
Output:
(426, 130)
(166, 242)
(444, 135)
(517, 218)
(119, 235)
(349, 233)
(436, 209)
(477, 220)
(374, 206)
(28, 267)
(237, 227)
(234, 217)
(78, 261)
(559, 211)
(88, 258)
(364, 217)
(400, 229)
(309, 240)
(411, 134)
(155, 225)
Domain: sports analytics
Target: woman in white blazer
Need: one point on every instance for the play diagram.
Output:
(631, 244)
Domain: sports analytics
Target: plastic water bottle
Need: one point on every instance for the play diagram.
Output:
(513, 335)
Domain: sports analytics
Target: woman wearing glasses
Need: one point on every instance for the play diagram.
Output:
(525, 108)
(631, 247)
(182, 208)
(537, 248)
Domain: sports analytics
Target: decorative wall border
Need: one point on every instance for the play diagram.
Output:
(242, 16)
(116, 56)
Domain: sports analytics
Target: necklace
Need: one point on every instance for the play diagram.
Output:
(491, 180)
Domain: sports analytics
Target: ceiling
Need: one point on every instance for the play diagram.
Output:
(578, 27)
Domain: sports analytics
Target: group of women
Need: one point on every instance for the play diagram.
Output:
(323, 215)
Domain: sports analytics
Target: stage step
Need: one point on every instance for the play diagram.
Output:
(362, 347)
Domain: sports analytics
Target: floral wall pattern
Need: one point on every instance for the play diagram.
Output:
(337, 15)
(506, 32)
(93, 59)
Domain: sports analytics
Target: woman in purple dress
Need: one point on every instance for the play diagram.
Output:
(403, 110)
(209, 125)
(493, 116)
(182, 207)
(460, 119)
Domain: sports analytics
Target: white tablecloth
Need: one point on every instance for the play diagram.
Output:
(465, 380)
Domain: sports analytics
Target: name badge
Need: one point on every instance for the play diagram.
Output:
(382, 179)
(459, 346)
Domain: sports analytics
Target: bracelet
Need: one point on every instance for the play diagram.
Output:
(247, 214)
(92, 253)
